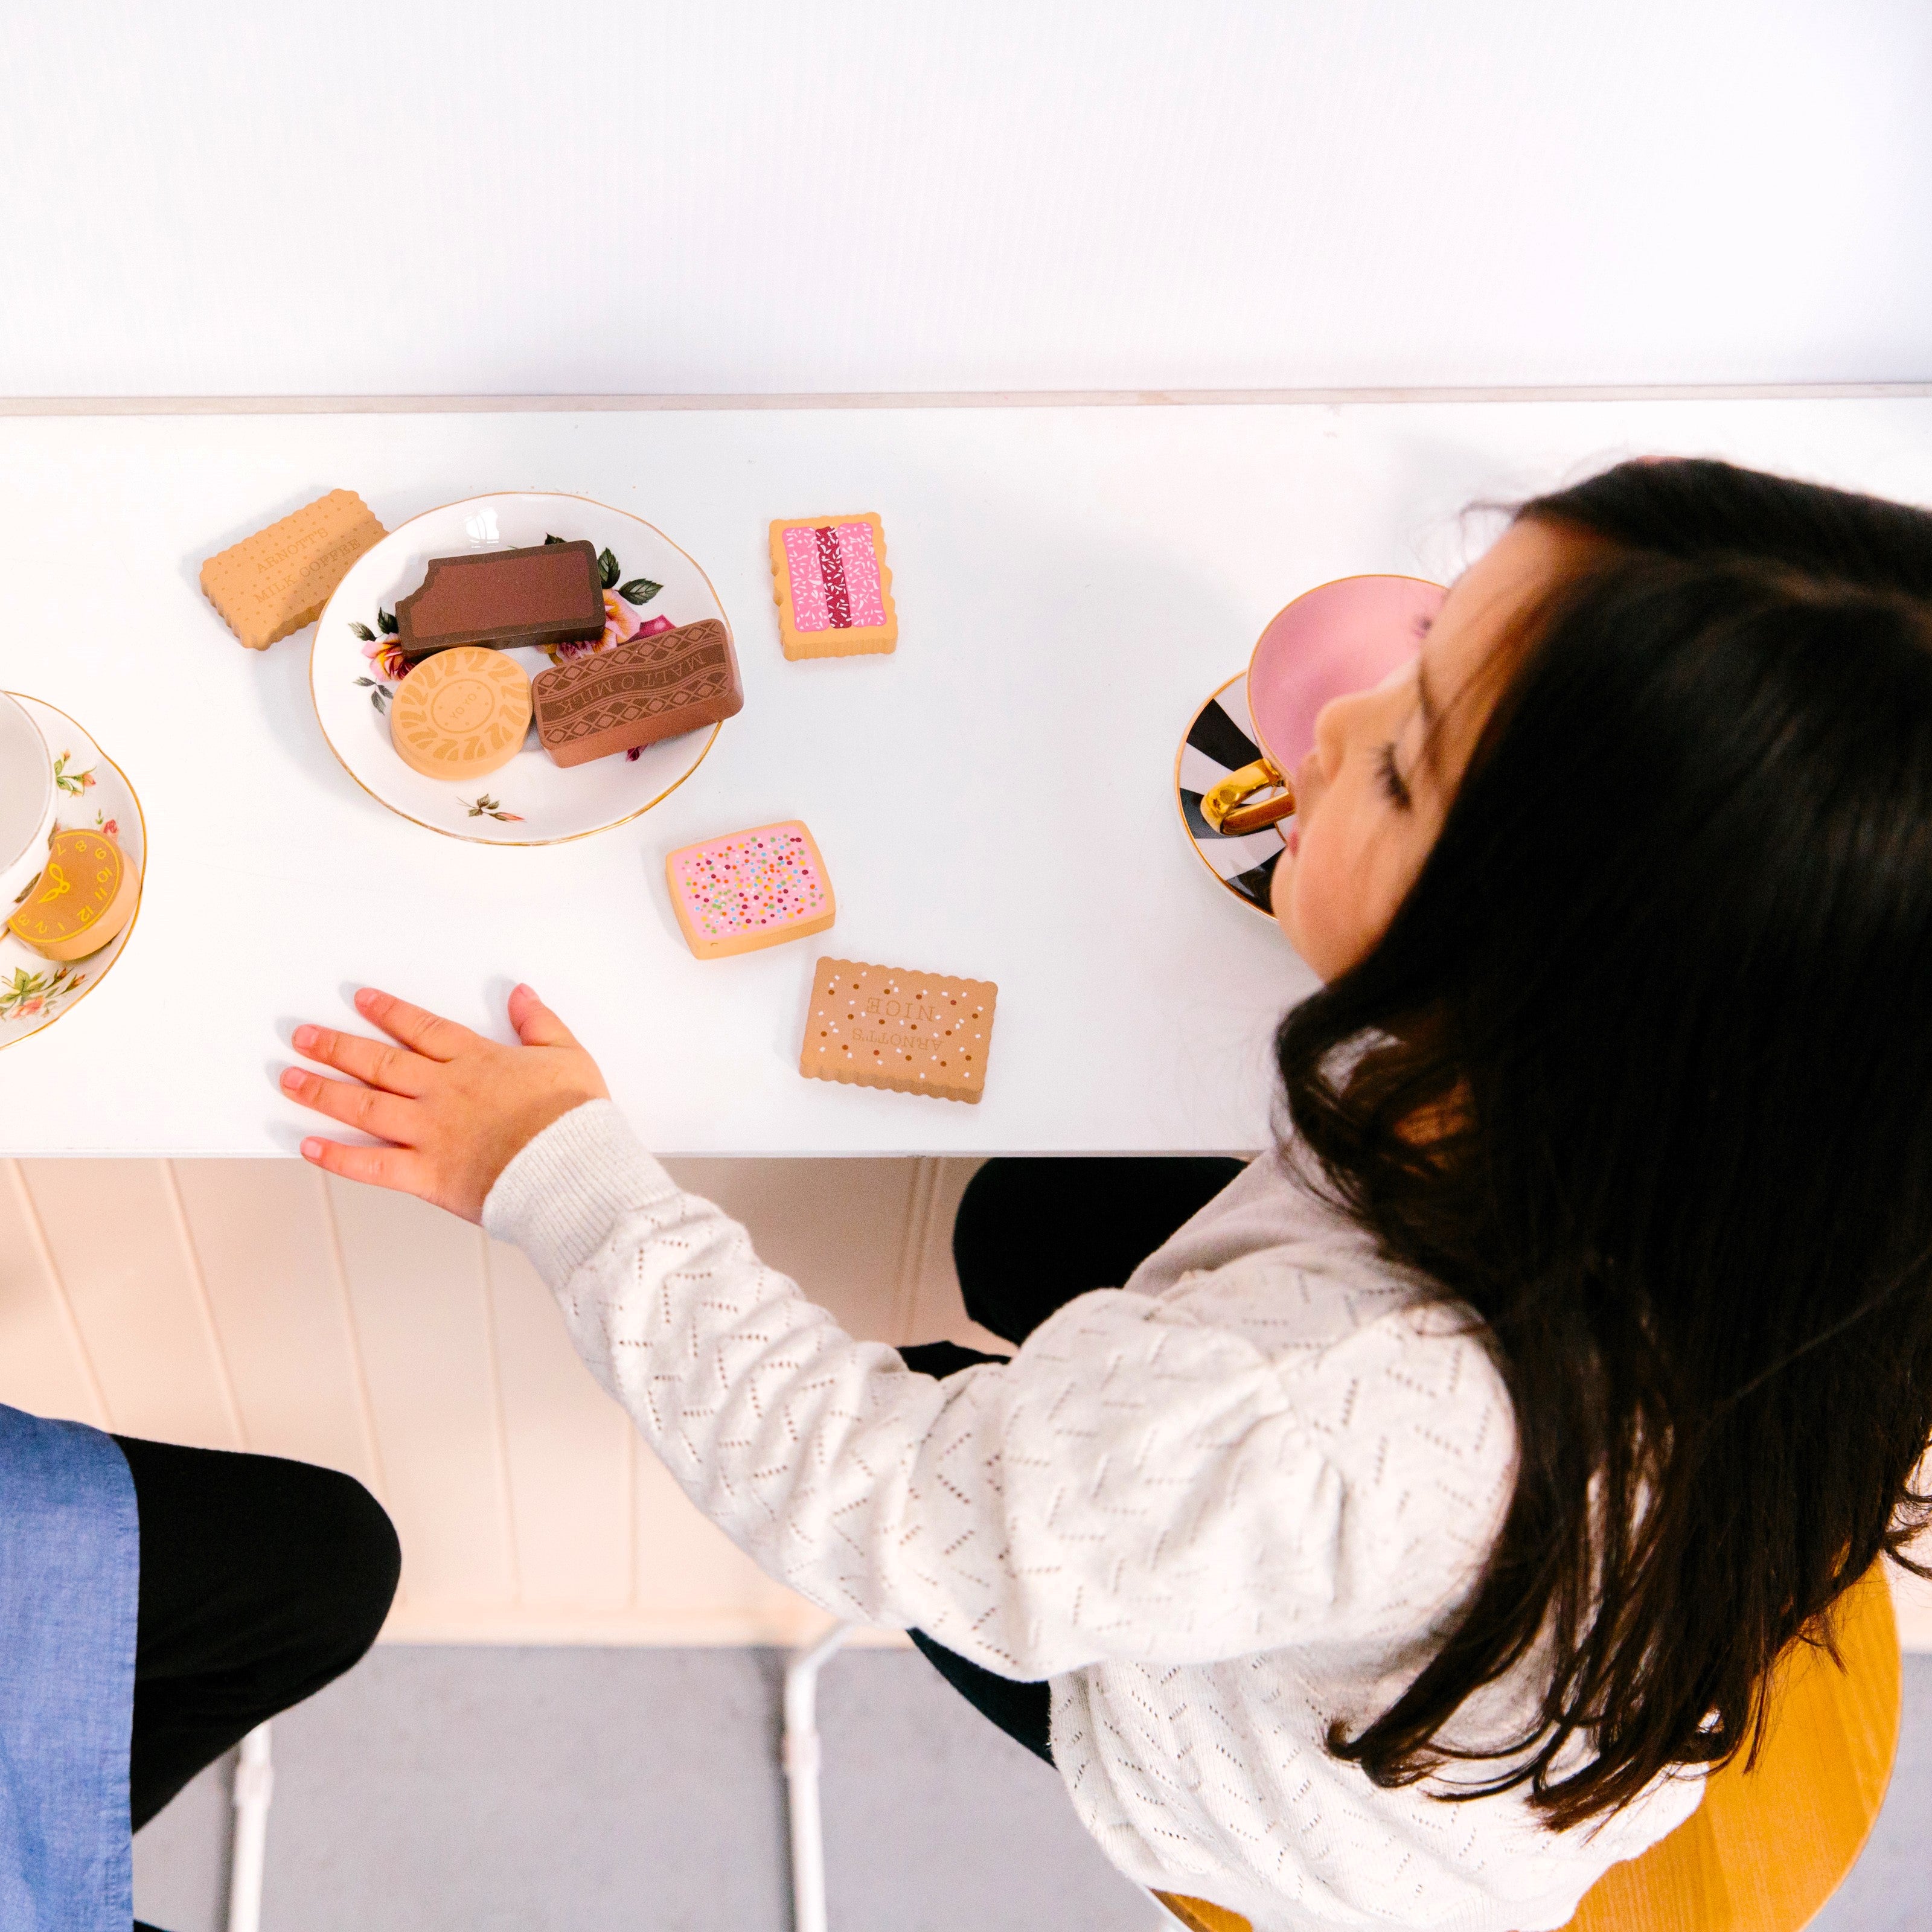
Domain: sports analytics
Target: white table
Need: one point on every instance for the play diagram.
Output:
(993, 800)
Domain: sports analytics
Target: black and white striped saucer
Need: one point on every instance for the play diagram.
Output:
(1221, 740)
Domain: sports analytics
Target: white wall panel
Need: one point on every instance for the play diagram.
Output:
(428, 1340)
(116, 1244)
(43, 1359)
(262, 1237)
(215, 197)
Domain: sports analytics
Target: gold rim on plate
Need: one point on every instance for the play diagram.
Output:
(469, 838)
(120, 940)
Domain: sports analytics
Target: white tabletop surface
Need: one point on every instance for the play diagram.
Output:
(993, 800)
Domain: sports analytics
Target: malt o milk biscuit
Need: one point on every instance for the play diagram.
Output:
(647, 689)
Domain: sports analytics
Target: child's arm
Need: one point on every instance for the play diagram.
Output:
(1141, 1482)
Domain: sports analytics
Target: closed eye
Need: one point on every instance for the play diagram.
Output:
(1394, 786)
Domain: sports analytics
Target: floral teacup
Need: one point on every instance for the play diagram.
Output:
(28, 796)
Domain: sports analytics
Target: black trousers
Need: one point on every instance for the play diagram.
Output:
(261, 1580)
(1030, 1235)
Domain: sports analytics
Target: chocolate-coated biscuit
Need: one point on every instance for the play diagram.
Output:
(547, 594)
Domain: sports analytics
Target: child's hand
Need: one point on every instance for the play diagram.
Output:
(456, 1107)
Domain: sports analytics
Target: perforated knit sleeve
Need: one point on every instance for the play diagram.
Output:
(1142, 1483)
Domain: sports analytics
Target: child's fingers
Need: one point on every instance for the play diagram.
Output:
(393, 1068)
(536, 1025)
(385, 1115)
(432, 1036)
(397, 1168)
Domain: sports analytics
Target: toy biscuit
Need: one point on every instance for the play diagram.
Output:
(547, 594)
(647, 688)
(86, 893)
(460, 714)
(276, 581)
(833, 590)
(914, 1032)
(749, 889)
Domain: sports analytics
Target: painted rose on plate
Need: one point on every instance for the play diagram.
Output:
(25, 995)
(385, 658)
(623, 600)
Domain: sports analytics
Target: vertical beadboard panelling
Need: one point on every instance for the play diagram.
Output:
(691, 1578)
(43, 1365)
(260, 1230)
(837, 1228)
(417, 1291)
(114, 1230)
(569, 1452)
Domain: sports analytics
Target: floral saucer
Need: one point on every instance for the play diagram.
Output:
(1221, 740)
(649, 585)
(94, 796)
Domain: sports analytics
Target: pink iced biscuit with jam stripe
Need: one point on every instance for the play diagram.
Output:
(750, 889)
(834, 578)
(833, 586)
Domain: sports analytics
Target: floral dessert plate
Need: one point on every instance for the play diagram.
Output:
(94, 796)
(1220, 740)
(649, 585)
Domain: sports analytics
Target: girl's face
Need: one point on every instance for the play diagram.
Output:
(1372, 796)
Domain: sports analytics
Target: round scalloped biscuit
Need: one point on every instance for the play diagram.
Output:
(460, 714)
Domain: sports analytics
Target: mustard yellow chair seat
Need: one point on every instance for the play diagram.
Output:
(1768, 1845)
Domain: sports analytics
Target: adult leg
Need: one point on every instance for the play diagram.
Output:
(261, 1580)
(1032, 1233)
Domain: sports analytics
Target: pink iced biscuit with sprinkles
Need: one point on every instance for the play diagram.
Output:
(833, 586)
(750, 889)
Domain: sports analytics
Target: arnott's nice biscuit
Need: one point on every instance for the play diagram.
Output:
(882, 1026)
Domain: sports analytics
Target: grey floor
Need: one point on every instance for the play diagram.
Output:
(592, 1790)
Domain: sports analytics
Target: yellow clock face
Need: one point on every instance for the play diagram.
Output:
(79, 883)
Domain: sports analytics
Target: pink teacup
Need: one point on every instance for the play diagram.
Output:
(1340, 637)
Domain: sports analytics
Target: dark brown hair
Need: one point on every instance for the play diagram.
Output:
(1667, 975)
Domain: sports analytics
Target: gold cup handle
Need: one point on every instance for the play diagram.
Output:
(1222, 807)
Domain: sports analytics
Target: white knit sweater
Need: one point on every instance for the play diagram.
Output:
(1221, 1507)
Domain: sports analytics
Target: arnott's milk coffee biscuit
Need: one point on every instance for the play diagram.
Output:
(883, 1026)
(276, 581)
